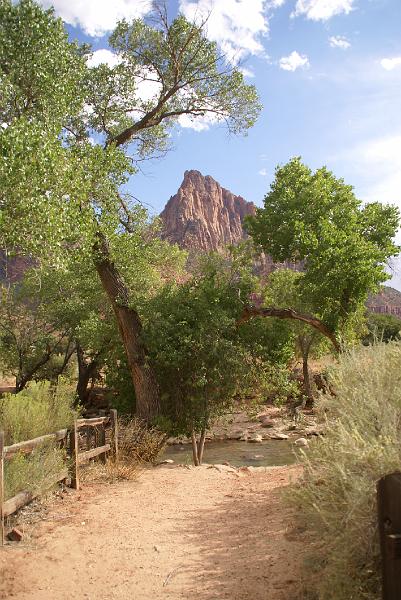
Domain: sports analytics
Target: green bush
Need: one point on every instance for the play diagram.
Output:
(37, 410)
(337, 497)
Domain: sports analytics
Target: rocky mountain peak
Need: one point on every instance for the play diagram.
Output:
(202, 215)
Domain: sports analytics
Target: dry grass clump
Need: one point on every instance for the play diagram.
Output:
(138, 443)
(337, 497)
(39, 409)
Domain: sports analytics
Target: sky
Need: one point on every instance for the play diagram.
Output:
(328, 73)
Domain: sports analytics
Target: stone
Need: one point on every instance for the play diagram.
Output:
(267, 423)
(276, 435)
(255, 439)
(15, 535)
(168, 461)
(301, 442)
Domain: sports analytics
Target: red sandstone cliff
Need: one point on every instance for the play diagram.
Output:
(204, 216)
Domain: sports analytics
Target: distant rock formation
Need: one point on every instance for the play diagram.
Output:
(386, 302)
(203, 215)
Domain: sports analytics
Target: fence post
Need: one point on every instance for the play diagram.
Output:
(389, 513)
(114, 434)
(1, 488)
(74, 450)
(102, 442)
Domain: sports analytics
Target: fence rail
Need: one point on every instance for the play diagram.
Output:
(83, 430)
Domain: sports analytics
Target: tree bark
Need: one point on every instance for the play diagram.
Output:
(130, 326)
(85, 372)
(306, 375)
(201, 446)
(288, 313)
(194, 449)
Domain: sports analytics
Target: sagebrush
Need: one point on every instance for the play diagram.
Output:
(39, 409)
(337, 496)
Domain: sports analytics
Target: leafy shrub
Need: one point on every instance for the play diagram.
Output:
(37, 410)
(33, 473)
(337, 497)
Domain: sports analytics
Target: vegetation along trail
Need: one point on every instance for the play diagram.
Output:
(214, 532)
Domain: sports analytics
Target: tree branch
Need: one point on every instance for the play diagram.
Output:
(250, 312)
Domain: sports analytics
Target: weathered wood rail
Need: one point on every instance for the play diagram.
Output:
(389, 515)
(90, 431)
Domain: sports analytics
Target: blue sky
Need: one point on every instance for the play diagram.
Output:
(329, 77)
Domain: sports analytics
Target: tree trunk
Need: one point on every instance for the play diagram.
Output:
(130, 326)
(85, 372)
(306, 375)
(194, 449)
(198, 447)
(201, 446)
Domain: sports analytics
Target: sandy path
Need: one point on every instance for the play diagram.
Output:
(172, 534)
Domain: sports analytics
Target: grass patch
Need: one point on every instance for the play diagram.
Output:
(337, 497)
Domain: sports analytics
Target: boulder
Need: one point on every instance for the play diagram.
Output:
(301, 442)
(255, 439)
(276, 435)
(267, 423)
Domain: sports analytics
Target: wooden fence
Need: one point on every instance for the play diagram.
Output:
(88, 432)
(389, 515)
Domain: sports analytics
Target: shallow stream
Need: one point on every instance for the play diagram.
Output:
(263, 454)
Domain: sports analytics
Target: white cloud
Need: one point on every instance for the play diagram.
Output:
(103, 56)
(263, 172)
(236, 25)
(197, 123)
(391, 63)
(321, 10)
(293, 61)
(339, 41)
(247, 72)
(97, 17)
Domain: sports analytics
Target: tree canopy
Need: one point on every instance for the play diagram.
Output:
(342, 247)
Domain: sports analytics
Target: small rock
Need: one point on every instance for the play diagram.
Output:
(168, 461)
(255, 439)
(279, 436)
(267, 423)
(15, 535)
(301, 442)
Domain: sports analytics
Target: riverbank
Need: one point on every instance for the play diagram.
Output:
(217, 533)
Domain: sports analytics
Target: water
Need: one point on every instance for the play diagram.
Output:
(263, 454)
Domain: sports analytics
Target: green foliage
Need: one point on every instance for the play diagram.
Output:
(192, 335)
(39, 409)
(36, 411)
(382, 328)
(34, 473)
(316, 218)
(336, 498)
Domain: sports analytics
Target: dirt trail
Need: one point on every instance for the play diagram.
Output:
(172, 534)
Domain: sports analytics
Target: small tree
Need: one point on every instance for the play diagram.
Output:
(316, 220)
(381, 328)
(191, 330)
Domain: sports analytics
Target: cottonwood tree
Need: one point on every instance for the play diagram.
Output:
(73, 136)
(316, 219)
